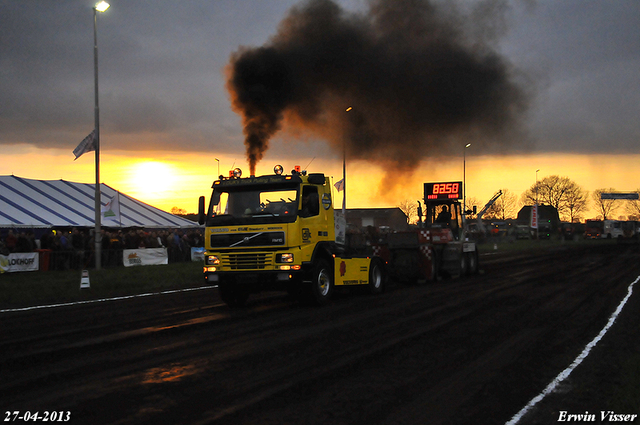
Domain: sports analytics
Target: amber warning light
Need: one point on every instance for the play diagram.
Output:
(442, 190)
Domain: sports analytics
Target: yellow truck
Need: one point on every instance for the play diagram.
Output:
(280, 232)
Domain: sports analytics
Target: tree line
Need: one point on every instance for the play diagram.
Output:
(569, 198)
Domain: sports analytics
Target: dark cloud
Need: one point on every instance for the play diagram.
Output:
(584, 59)
(419, 87)
(162, 80)
(157, 73)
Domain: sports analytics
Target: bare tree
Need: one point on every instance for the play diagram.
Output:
(410, 209)
(605, 207)
(473, 202)
(506, 206)
(632, 208)
(178, 211)
(561, 193)
(577, 202)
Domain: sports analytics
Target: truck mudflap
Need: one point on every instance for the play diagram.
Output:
(351, 271)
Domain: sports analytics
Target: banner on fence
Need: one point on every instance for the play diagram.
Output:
(197, 254)
(145, 257)
(19, 262)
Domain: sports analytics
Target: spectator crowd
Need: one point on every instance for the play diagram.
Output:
(74, 249)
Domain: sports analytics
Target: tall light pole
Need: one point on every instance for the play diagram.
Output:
(537, 187)
(535, 207)
(99, 7)
(464, 181)
(344, 171)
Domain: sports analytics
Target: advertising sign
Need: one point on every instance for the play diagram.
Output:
(145, 257)
(19, 262)
(619, 195)
(197, 253)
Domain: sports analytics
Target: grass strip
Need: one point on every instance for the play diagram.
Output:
(27, 289)
(37, 288)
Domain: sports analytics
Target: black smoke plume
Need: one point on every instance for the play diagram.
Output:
(418, 82)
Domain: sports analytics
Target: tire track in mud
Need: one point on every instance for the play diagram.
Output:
(517, 339)
(417, 344)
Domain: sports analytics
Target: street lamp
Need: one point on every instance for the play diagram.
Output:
(344, 171)
(99, 7)
(535, 206)
(464, 181)
(537, 187)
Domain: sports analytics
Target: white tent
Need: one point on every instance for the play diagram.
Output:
(30, 203)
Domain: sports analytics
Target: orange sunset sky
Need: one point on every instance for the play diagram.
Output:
(177, 180)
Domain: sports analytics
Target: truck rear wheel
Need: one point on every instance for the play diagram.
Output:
(472, 263)
(376, 277)
(435, 266)
(320, 289)
(406, 265)
(464, 264)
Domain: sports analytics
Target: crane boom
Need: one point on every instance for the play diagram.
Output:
(491, 202)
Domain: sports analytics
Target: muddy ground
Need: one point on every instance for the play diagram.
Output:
(463, 351)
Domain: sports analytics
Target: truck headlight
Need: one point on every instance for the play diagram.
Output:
(284, 258)
(212, 260)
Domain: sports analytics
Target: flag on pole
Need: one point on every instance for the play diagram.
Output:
(111, 211)
(339, 185)
(534, 216)
(87, 145)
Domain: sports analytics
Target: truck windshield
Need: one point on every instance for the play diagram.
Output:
(253, 206)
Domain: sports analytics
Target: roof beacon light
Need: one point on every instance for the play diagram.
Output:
(278, 169)
(237, 173)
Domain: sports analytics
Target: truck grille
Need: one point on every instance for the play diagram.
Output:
(232, 240)
(252, 261)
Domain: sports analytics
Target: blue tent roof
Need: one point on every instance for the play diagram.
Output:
(59, 203)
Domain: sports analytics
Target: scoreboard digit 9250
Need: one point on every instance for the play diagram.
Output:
(442, 191)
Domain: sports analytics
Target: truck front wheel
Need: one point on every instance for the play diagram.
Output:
(321, 286)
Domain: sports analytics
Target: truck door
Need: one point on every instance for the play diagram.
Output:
(310, 202)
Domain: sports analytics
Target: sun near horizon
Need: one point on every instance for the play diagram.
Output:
(166, 180)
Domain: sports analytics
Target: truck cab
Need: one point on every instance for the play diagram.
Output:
(444, 218)
(277, 232)
(438, 247)
(445, 215)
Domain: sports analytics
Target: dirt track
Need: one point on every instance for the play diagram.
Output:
(465, 351)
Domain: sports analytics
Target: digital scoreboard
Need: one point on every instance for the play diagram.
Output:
(442, 191)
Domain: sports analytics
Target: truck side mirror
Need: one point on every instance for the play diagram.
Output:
(475, 210)
(201, 214)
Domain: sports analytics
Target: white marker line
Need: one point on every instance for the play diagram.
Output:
(105, 299)
(565, 373)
